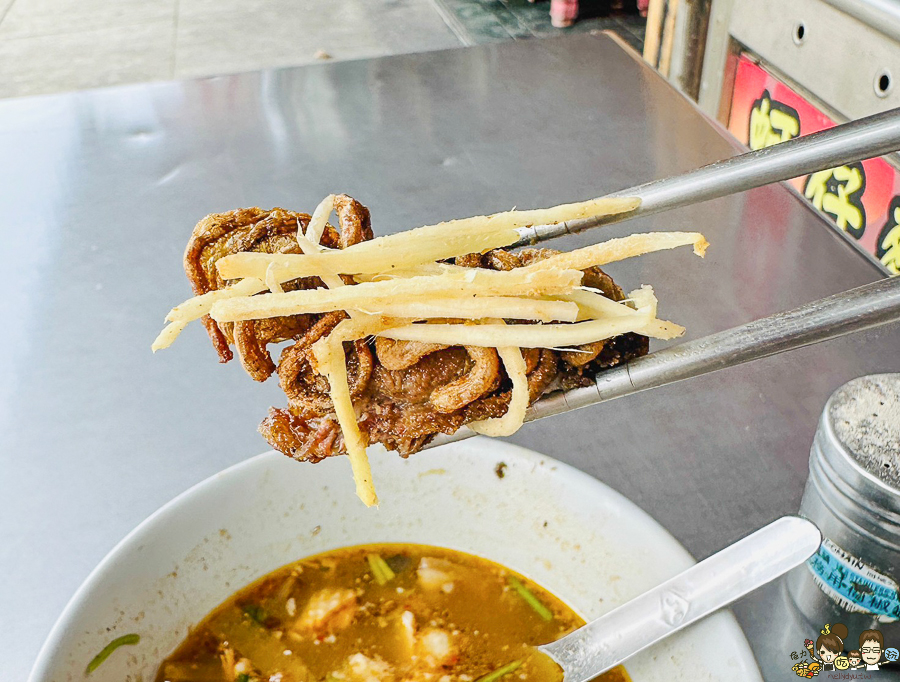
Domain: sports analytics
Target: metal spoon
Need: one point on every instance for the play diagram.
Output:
(706, 587)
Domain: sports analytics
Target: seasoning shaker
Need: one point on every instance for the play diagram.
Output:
(853, 495)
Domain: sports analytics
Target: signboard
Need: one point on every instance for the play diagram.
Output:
(862, 199)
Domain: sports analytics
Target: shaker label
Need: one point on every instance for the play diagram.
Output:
(853, 584)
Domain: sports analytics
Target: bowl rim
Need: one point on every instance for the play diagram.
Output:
(57, 634)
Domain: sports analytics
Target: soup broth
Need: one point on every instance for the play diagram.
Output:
(380, 613)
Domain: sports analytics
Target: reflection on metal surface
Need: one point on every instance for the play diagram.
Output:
(98, 433)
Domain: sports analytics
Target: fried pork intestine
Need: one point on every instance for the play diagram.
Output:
(405, 392)
(274, 231)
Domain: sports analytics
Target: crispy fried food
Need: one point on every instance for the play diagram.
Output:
(405, 392)
(517, 370)
(219, 234)
(306, 440)
(402, 354)
(252, 336)
(389, 342)
(482, 378)
(254, 230)
(307, 390)
(417, 390)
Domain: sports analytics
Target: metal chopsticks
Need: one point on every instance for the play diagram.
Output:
(861, 139)
(868, 306)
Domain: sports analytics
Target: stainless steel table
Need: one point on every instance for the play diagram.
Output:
(99, 193)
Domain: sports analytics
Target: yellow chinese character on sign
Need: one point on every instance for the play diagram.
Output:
(888, 245)
(772, 122)
(838, 193)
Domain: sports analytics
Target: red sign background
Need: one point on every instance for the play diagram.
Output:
(780, 113)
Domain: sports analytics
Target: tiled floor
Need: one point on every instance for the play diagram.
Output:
(480, 21)
(60, 45)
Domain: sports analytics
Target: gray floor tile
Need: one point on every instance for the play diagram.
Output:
(477, 19)
(536, 13)
(490, 20)
(199, 8)
(585, 26)
(51, 17)
(512, 22)
(59, 45)
(282, 34)
(74, 61)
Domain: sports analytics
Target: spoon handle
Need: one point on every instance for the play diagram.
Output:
(706, 587)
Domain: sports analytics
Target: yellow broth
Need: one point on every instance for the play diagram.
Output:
(469, 618)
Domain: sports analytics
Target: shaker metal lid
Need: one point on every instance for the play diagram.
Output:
(864, 416)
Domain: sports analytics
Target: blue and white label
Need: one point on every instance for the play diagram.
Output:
(853, 584)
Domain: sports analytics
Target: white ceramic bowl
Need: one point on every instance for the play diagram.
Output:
(562, 528)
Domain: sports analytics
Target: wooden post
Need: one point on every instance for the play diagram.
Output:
(655, 12)
(665, 57)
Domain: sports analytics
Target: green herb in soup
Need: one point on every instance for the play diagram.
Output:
(380, 613)
(124, 640)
